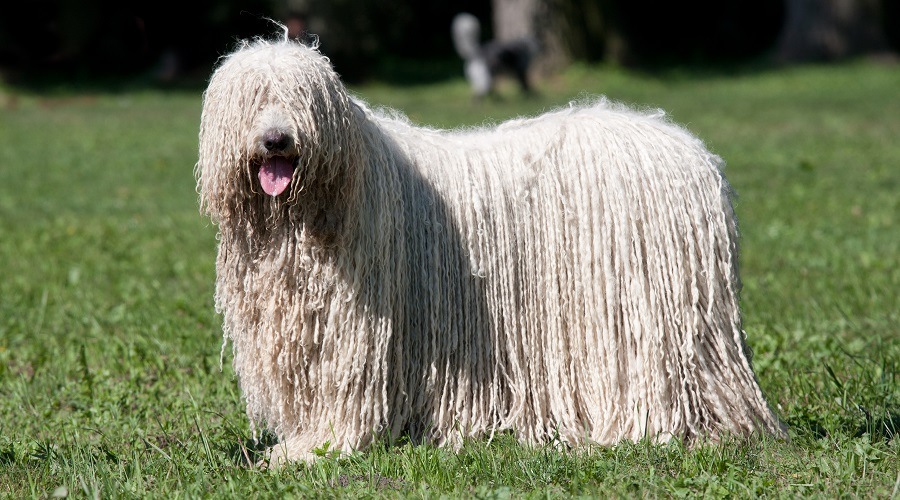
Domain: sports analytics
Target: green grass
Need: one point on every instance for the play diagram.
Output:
(110, 382)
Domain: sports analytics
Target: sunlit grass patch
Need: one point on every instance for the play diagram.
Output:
(110, 382)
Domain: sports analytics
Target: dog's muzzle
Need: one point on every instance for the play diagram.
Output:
(276, 170)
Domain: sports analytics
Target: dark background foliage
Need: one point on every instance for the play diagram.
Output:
(164, 40)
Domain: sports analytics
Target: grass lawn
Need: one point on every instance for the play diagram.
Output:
(110, 376)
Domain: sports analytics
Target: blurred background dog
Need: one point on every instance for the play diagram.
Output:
(483, 63)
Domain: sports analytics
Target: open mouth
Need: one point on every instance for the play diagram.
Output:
(275, 174)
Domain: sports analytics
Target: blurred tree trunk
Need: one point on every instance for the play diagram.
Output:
(514, 19)
(826, 30)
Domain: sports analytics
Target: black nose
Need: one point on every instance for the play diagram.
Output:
(275, 141)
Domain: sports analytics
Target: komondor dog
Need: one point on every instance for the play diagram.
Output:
(570, 278)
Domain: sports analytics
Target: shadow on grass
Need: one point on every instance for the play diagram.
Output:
(390, 70)
(7, 455)
(409, 72)
(250, 452)
(882, 428)
(704, 70)
(58, 84)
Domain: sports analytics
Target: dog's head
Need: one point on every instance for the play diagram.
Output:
(279, 138)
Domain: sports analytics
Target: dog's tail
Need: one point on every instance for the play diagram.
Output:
(466, 32)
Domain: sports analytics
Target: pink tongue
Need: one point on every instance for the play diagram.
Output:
(275, 175)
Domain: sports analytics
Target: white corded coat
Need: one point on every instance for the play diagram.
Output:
(571, 276)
